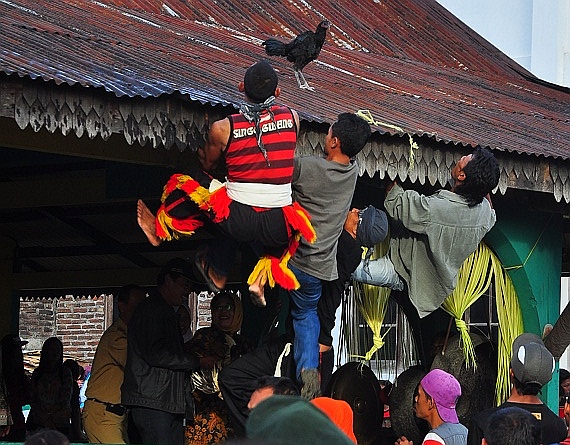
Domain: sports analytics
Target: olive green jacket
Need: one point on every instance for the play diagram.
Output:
(431, 236)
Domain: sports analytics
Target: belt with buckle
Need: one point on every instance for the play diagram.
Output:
(114, 408)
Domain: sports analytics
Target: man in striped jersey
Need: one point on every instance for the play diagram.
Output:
(254, 206)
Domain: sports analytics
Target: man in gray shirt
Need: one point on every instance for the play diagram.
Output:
(324, 188)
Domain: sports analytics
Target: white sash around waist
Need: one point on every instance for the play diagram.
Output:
(260, 195)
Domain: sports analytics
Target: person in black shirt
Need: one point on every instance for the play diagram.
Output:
(362, 228)
(531, 368)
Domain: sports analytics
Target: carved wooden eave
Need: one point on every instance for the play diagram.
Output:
(431, 162)
(166, 121)
(174, 121)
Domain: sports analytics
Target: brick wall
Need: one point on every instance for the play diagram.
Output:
(79, 322)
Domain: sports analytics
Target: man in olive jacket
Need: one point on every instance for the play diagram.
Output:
(154, 384)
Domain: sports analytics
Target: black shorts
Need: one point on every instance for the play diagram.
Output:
(247, 225)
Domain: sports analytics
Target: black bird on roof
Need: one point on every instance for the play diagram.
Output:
(301, 50)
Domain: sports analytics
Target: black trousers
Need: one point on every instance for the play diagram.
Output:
(427, 331)
(238, 380)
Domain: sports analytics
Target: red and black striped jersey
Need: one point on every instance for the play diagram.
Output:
(244, 159)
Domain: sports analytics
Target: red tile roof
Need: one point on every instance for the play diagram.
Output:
(410, 62)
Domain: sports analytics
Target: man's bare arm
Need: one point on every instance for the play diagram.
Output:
(218, 137)
(296, 119)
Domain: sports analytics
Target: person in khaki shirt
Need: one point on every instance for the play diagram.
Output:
(104, 418)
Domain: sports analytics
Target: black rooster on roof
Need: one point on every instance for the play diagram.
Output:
(301, 50)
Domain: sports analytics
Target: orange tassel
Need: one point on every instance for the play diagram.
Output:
(162, 222)
(187, 226)
(283, 275)
(299, 220)
(220, 204)
(170, 186)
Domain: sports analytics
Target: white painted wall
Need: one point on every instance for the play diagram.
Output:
(534, 33)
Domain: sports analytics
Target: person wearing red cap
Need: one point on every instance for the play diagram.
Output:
(435, 402)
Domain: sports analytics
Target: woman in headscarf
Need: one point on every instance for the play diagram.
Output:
(219, 344)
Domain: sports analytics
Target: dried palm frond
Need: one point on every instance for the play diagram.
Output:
(372, 301)
(474, 279)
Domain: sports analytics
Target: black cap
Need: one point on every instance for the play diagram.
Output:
(531, 362)
(13, 340)
(179, 266)
(372, 227)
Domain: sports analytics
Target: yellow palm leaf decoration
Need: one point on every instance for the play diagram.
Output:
(510, 327)
(473, 280)
(372, 301)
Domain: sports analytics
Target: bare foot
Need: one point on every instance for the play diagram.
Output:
(257, 290)
(146, 221)
(257, 295)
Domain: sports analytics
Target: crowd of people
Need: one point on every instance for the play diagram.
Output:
(51, 391)
(154, 381)
(276, 412)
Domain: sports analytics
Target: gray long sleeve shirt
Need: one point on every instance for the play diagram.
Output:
(431, 237)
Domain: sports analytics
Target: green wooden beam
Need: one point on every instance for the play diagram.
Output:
(529, 245)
